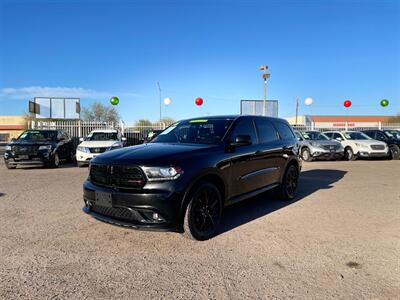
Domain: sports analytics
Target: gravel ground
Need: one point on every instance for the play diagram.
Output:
(339, 240)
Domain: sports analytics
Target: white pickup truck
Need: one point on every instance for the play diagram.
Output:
(98, 141)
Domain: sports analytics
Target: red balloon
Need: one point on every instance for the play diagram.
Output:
(198, 101)
(347, 103)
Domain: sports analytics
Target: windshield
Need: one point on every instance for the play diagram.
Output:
(314, 136)
(36, 135)
(206, 131)
(102, 136)
(355, 135)
(393, 134)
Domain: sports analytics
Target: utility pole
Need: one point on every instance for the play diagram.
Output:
(297, 108)
(265, 76)
(159, 90)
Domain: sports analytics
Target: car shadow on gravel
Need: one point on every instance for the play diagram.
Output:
(310, 182)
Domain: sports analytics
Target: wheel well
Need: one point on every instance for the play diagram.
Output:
(211, 178)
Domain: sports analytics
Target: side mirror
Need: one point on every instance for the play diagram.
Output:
(81, 139)
(123, 139)
(241, 140)
(13, 139)
(339, 139)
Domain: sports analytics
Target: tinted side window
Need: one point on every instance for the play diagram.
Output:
(370, 133)
(245, 127)
(284, 131)
(380, 135)
(337, 136)
(266, 132)
(328, 134)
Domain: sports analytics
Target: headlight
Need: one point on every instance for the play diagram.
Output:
(83, 149)
(45, 147)
(8, 148)
(162, 173)
(315, 144)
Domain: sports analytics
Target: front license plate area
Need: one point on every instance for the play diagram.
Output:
(23, 157)
(103, 199)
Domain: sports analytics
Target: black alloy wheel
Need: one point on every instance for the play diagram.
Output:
(203, 212)
(288, 188)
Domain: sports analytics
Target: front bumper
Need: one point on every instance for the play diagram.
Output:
(41, 158)
(327, 154)
(85, 157)
(143, 209)
(374, 154)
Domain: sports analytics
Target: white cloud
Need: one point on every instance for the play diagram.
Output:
(27, 93)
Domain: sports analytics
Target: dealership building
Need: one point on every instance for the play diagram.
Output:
(11, 127)
(338, 121)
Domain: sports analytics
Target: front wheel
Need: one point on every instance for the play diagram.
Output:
(394, 152)
(288, 188)
(203, 212)
(55, 162)
(349, 154)
(306, 154)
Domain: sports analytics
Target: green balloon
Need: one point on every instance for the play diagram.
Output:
(384, 102)
(114, 100)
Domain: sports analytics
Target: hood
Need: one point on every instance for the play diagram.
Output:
(31, 143)
(368, 142)
(325, 142)
(98, 144)
(150, 154)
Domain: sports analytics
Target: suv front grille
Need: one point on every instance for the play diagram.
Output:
(98, 150)
(125, 177)
(331, 147)
(114, 212)
(25, 150)
(377, 147)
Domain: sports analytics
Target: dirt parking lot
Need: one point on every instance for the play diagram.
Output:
(339, 240)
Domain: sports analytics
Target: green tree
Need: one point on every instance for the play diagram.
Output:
(98, 112)
(167, 121)
(143, 122)
(394, 119)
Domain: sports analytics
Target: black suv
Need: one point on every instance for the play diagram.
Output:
(39, 147)
(390, 138)
(184, 178)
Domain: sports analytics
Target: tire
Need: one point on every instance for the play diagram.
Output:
(306, 154)
(394, 152)
(288, 188)
(203, 212)
(349, 154)
(10, 167)
(82, 164)
(55, 162)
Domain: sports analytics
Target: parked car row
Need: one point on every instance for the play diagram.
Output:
(49, 148)
(350, 145)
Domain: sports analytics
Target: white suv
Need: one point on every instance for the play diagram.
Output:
(97, 142)
(357, 144)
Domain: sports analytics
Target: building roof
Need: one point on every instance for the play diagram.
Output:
(349, 118)
(12, 127)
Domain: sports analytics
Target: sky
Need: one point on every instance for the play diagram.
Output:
(328, 50)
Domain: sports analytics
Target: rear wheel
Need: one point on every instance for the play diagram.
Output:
(288, 188)
(203, 212)
(349, 154)
(394, 151)
(306, 154)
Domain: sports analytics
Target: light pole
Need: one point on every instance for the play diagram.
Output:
(265, 76)
(159, 89)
